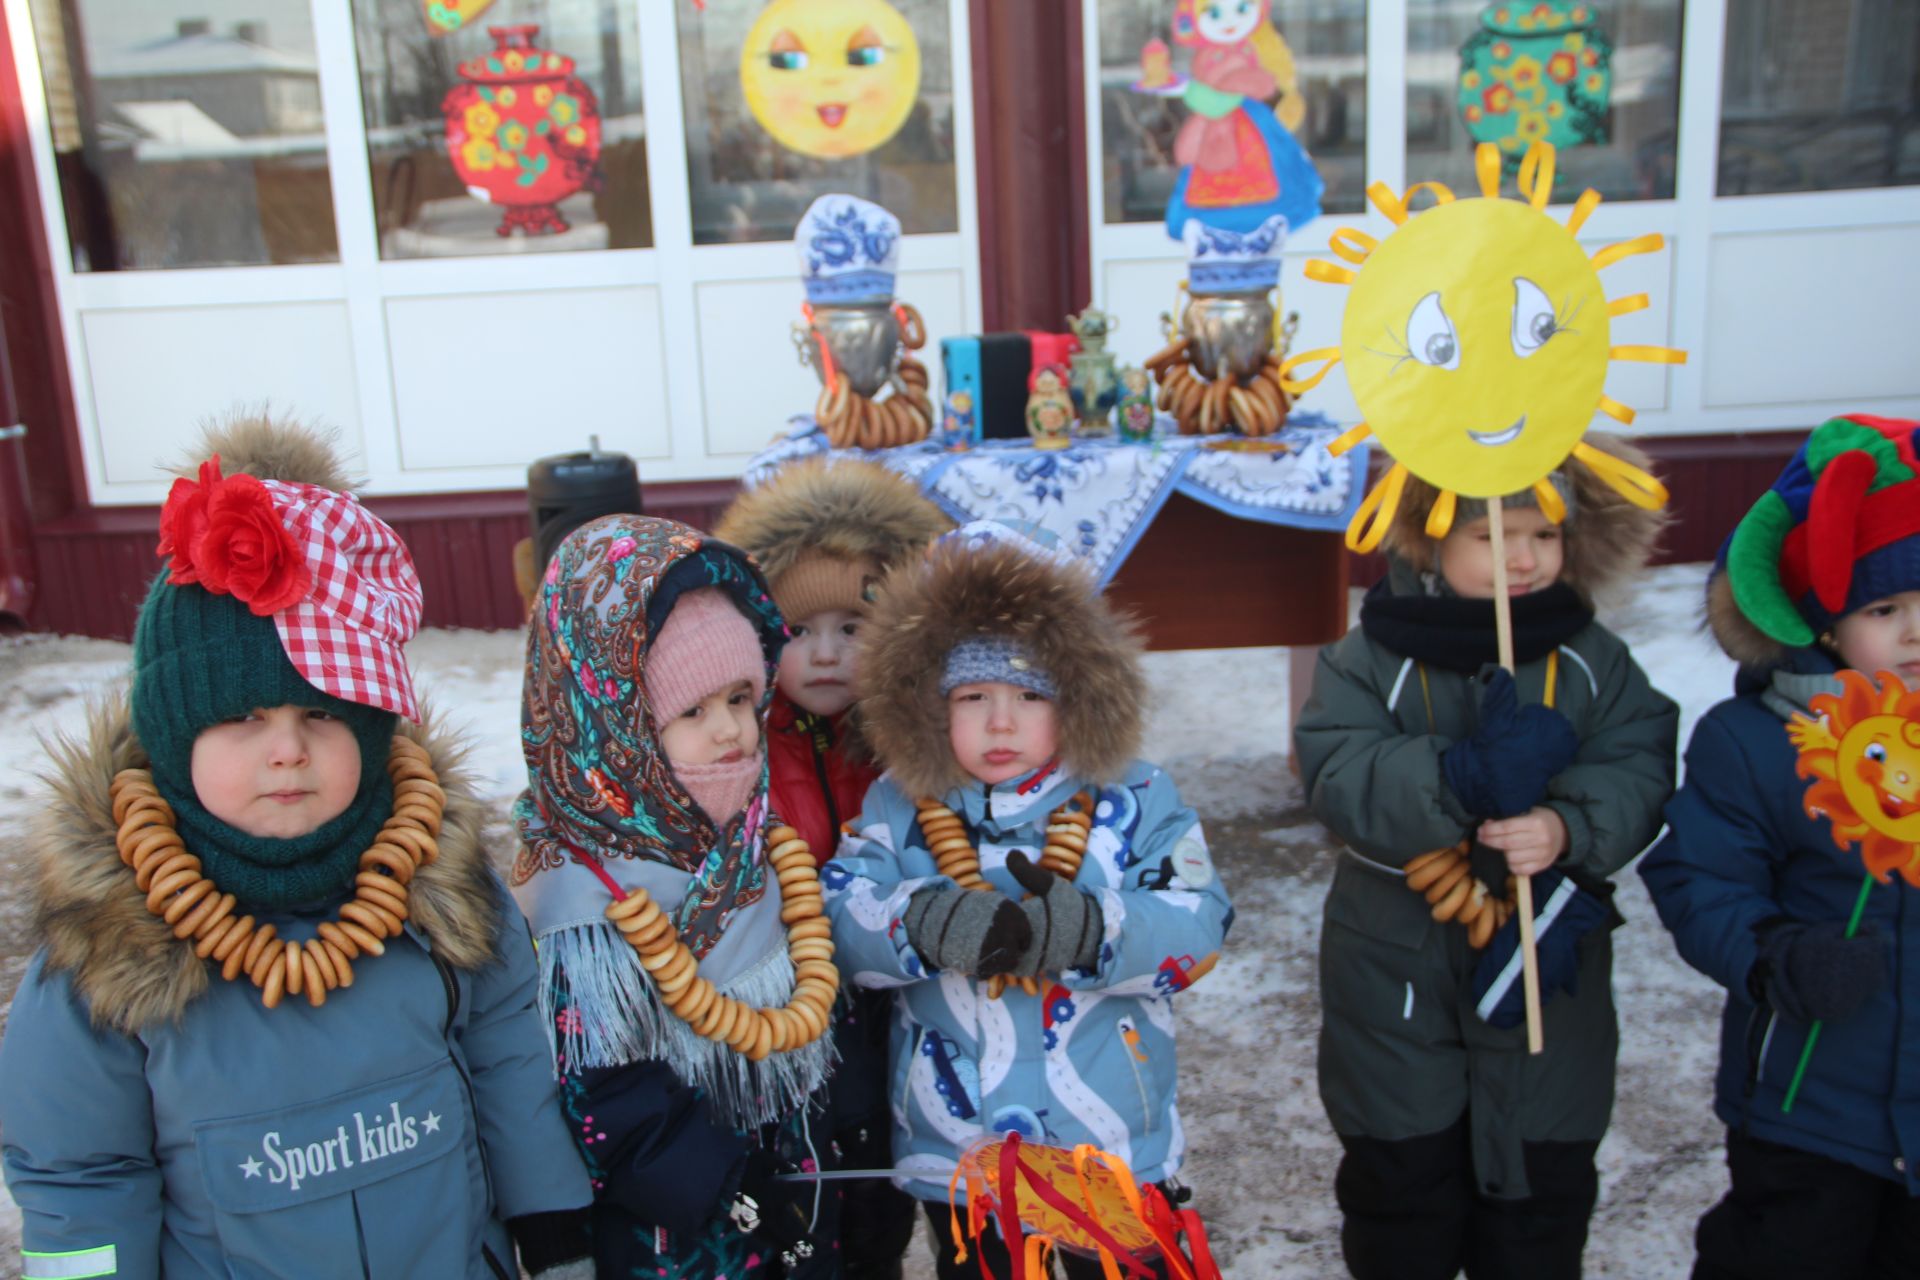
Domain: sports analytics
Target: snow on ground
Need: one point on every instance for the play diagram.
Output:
(1262, 1156)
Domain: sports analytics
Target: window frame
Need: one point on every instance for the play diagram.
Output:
(364, 284)
(1694, 222)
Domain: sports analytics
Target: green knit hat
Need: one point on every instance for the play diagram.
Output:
(199, 659)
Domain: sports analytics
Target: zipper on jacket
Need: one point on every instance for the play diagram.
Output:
(817, 739)
(906, 1081)
(452, 983)
(1139, 1081)
(1759, 1035)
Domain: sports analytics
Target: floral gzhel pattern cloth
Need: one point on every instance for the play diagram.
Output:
(1098, 496)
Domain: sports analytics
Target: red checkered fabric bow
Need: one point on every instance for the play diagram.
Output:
(337, 580)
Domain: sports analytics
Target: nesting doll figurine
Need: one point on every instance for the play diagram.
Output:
(1049, 408)
(1136, 406)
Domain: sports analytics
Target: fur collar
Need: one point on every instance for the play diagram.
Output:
(126, 963)
(927, 606)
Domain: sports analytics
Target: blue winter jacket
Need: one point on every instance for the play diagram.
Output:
(1090, 1059)
(156, 1119)
(1740, 850)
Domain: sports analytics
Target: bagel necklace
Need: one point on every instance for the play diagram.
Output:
(181, 895)
(959, 861)
(1456, 894)
(752, 1032)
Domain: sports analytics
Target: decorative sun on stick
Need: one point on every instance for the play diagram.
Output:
(1861, 748)
(1477, 342)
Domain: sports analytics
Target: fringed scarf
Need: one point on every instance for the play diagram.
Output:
(600, 788)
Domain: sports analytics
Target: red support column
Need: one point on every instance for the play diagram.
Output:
(30, 311)
(1029, 120)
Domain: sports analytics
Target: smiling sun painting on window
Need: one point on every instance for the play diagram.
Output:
(830, 78)
(1477, 341)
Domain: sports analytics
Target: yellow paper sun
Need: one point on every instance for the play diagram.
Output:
(1476, 340)
(1864, 757)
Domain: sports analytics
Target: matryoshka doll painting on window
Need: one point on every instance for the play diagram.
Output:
(1239, 161)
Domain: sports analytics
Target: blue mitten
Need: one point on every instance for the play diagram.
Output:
(1564, 913)
(1815, 972)
(1503, 767)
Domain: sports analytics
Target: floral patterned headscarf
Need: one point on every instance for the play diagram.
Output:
(598, 783)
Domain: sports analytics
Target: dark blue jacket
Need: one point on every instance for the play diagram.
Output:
(1740, 850)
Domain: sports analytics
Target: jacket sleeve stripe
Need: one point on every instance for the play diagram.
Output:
(79, 1264)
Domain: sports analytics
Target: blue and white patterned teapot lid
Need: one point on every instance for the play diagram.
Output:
(849, 250)
(1222, 261)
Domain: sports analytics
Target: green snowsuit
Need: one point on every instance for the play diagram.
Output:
(1402, 1052)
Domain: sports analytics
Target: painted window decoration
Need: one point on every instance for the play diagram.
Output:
(1597, 79)
(788, 100)
(1822, 95)
(1210, 104)
(185, 139)
(504, 126)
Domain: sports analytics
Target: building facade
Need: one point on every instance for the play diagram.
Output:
(299, 203)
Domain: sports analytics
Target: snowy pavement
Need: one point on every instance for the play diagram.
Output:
(1262, 1155)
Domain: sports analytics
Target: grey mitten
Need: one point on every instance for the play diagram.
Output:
(966, 930)
(1065, 922)
(1815, 972)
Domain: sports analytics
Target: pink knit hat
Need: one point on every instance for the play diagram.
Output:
(705, 645)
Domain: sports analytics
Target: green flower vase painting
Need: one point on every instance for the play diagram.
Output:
(1539, 72)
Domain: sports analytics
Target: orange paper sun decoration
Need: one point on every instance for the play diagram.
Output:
(1863, 753)
(1477, 340)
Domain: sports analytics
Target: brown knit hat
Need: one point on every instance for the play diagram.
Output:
(819, 581)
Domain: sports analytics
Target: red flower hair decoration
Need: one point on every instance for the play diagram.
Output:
(225, 533)
(335, 578)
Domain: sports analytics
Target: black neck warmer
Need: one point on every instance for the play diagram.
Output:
(1458, 634)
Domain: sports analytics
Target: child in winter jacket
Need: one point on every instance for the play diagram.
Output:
(282, 1022)
(824, 534)
(1005, 698)
(1461, 1148)
(1821, 577)
(685, 964)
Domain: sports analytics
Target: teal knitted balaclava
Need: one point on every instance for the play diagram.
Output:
(200, 658)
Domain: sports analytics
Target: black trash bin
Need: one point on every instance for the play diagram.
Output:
(569, 489)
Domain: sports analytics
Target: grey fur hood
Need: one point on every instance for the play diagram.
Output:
(126, 963)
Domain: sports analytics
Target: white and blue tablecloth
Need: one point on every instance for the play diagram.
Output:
(1097, 496)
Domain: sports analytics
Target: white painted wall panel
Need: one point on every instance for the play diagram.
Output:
(1803, 316)
(490, 380)
(750, 375)
(157, 373)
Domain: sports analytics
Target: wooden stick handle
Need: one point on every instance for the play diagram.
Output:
(1523, 885)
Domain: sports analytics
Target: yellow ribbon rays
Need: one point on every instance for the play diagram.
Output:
(1477, 342)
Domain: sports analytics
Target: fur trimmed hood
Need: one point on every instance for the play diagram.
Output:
(847, 509)
(1735, 633)
(927, 606)
(1609, 540)
(125, 961)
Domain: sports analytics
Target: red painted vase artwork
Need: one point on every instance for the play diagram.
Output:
(522, 131)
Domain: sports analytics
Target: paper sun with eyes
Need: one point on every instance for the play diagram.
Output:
(1476, 341)
(1861, 748)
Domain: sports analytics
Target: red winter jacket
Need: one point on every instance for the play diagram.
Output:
(815, 786)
